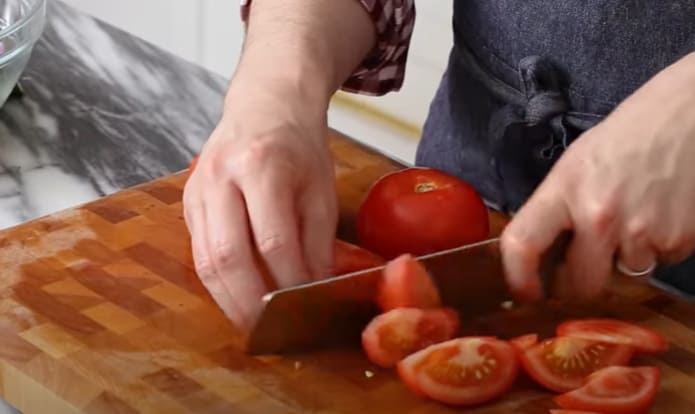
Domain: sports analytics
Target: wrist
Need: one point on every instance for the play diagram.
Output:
(262, 97)
(306, 78)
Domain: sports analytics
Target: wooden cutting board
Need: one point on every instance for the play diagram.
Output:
(101, 312)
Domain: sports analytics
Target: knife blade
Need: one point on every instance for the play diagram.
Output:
(334, 311)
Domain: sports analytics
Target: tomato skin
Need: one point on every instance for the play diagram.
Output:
(351, 258)
(615, 390)
(524, 342)
(431, 373)
(407, 284)
(615, 331)
(418, 211)
(572, 361)
(394, 335)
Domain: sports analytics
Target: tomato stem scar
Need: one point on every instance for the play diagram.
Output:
(424, 187)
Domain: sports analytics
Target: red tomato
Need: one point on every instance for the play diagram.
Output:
(393, 335)
(615, 331)
(351, 258)
(461, 371)
(615, 390)
(419, 211)
(407, 284)
(524, 342)
(561, 364)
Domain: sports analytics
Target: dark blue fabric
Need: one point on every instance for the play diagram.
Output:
(526, 78)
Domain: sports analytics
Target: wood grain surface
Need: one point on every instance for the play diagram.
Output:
(101, 312)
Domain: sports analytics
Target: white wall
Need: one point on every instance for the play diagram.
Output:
(209, 32)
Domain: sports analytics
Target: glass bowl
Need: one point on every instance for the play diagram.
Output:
(21, 25)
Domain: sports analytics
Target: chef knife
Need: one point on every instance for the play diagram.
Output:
(334, 311)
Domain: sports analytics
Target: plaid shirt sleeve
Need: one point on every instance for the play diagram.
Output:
(383, 70)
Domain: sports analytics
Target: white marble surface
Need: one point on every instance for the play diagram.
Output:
(101, 111)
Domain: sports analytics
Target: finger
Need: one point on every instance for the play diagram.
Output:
(528, 235)
(194, 215)
(275, 222)
(230, 249)
(675, 249)
(589, 261)
(677, 255)
(635, 254)
(319, 220)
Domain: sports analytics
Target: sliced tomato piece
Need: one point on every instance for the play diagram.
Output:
(615, 390)
(407, 284)
(351, 258)
(615, 331)
(562, 363)
(524, 342)
(393, 335)
(461, 371)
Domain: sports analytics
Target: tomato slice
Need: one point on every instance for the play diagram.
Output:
(461, 371)
(615, 390)
(407, 284)
(524, 342)
(615, 331)
(562, 363)
(393, 335)
(351, 258)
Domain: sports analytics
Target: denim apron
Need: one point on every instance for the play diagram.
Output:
(526, 78)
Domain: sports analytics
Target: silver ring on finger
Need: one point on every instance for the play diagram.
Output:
(622, 268)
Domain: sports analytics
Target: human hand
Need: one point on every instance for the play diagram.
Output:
(625, 189)
(263, 186)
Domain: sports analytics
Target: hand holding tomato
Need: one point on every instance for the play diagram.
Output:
(624, 189)
(262, 190)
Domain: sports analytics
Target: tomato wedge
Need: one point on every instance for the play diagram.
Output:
(615, 390)
(562, 363)
(461, 371)
(407, 284)
(615, 331)
(351, 258)
(393, 335)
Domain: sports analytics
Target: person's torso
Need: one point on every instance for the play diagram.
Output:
(525, 78)
(605, 49)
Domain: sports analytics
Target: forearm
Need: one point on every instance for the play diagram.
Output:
(305, 46)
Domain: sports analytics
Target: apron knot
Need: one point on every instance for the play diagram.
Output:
(541, 83)
(529, 135)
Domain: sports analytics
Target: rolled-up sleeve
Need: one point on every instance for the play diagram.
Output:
(383, 70)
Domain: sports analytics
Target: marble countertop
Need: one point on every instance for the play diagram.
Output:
(102, 110)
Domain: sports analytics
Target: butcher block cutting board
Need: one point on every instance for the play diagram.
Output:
(101, 312)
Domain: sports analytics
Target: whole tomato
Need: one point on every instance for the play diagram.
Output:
(419, 211)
